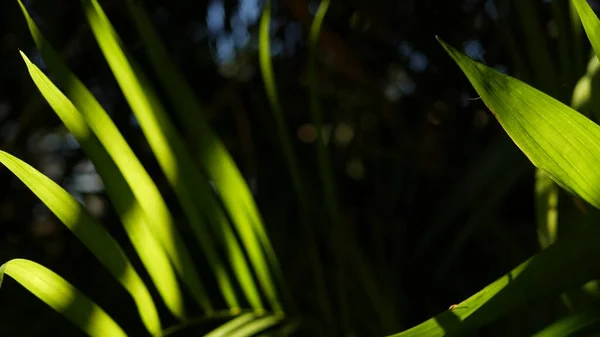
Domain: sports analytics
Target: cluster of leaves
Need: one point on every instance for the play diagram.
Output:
(561, 142)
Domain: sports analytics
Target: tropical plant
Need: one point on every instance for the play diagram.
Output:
(561, 142)
(228, 213)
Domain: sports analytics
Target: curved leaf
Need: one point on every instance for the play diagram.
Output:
(245, 325)
(258, 325)
(266, 67)
(147, 195)
(62, 297)
(574, 324)
(91, 234)
(590, 22)
(148, 248)
(568, 263)
(168, 147)
(557, 139)
(219, 166)
(227, 328)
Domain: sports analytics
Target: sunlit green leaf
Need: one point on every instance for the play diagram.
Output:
(163, 138)
(568, 263)
(590, 22)
(546, 203)
(218, 164)
(586, 89)
(563, 143)
(62, 297)
(579, 49)
(574, 324)
(256, 326)
(288, 329)
(245, 326)
(227, 328)
(156, 214)
(91, 234)
(148, 248)
(557, 139)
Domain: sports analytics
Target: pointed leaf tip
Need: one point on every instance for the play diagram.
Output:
(555, 138)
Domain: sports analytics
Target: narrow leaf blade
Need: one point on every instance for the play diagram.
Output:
(217, 162)
(256, 326)
(557, 139)
(61, 296)
(163, 138)
(91, 234)
(227, 328)
(590, 22)
(156, 214)
(568, 263)
(148, 248)
(573, 324)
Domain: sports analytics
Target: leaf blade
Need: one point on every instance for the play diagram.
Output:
(573, 324)
(220, 167)
(567, 263)
(147, 195)
(90, 233)
(163, 138)
(555, 138)
(590, 22)
(147, 247)
(62, 297)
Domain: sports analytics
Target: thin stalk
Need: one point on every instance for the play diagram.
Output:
(566, 65)
(325, 172)
(266, 67)
(539, 56)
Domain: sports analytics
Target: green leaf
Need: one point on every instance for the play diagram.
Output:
(574, 323)
(568, 263)
(579, 50)
(546, 204)
(155, 212)
(256, 326)
(227, 328)
(218, 164)
(266, 67)
(147, 247)
(62, 297)
(339, 237)
(245, 326)
(566, 146)
(168, 147)
(566, 65)
(586, 89)
(91, 234)
(535, 42)
(325, 171)
(590, 22)
(289, 329)
(555, 138)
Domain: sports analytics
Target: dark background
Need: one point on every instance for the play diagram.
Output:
(439, 201)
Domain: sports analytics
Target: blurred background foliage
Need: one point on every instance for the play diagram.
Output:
(434, 200)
